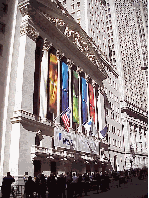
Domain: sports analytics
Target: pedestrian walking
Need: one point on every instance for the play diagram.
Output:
(6, 185)
(98, 179)
(51, 185)
(37, 181)
(42, 187)
(79, 185)
(30, 187)
(86, 179)
(61, 185)
(68, 184)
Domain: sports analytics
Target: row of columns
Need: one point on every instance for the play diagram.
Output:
(43, 93)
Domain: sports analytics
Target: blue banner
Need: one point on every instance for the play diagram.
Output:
(84, 101)
(65, 102)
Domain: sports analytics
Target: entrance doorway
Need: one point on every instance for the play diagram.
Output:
(88, 168)
(115, 164)
(53, 167)
(37, 167)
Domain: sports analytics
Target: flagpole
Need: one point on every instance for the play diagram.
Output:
(61, 114)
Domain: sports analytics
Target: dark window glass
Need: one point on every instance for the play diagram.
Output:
(1, 49)
(2, 27)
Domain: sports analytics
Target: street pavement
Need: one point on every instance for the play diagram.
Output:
(135, 189)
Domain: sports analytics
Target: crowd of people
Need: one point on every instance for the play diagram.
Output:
(70, 185)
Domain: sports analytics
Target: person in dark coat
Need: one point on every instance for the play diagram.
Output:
(98, 181)
(29, 187)
(79, 185)
(68, 182)
(42, 187)
(86, 179)
(6, 185)
(61, 186)
(51, 185)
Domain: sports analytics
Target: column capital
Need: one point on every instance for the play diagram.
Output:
(59, 54)
(94, 83)
(25, 7)
(87, 77)
(27, 29)
(70, 63)
(79, 70)
(100, 90)
(46, 44)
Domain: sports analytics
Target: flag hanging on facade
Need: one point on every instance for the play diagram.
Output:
(91, 101)
(53, 75)
(84, 100)
(89, 125)
(104, 131)
(66, 118)
(75, 98)
(65, 101)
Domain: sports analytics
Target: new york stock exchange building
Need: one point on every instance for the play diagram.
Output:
(57, 102)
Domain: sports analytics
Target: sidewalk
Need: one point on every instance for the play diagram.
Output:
(135, 189)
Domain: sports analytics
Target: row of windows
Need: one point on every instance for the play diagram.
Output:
(73, 6)
(113, 116)
(115, 142)
(112, 129)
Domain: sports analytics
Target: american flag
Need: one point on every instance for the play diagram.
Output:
(66, 118)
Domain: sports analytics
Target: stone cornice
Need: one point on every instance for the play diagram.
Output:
(50, 18)
(32, 122)
(47, 44)
(28, 29)
(135, 112)
(25, 7)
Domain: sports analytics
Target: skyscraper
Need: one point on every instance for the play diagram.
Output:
(120, 31)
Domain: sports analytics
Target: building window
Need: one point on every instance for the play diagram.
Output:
(78, 13)
(2, 27)
(78, 4)
(4, 7)
(72, 6)
(1, 49)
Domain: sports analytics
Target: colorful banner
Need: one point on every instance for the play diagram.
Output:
(53, 75)
(63, 140)
(84, 101)
(75, 98)
(65, 101)
(91, 102)
(78, 142)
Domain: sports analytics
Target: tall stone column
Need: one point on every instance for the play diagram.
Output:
(20, 159)
(87, 78)
(44, 79)
(6, 65)
(80, 114)
(69, 63)
(58, 87)
(95, 102)
(100, 105)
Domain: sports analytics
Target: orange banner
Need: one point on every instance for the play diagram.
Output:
(53, 75)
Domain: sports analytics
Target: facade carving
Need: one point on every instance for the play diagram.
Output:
(27, 29)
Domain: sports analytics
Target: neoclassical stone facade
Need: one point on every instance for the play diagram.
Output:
(31, 134)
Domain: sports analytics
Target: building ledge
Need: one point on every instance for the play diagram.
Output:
(135, 112)
(33, 123)
(60, 153)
